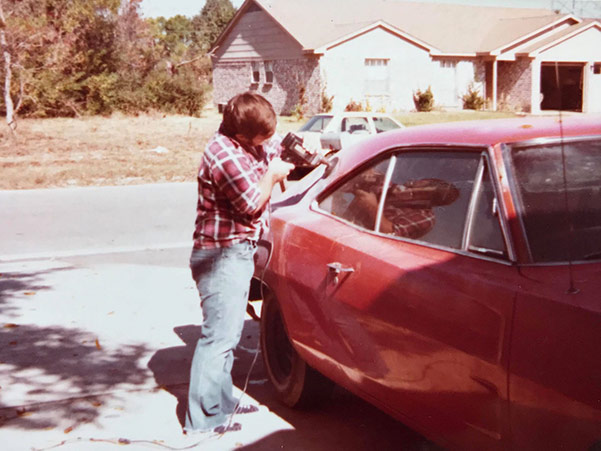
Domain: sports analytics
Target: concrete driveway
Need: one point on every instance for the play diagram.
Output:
(96, 342)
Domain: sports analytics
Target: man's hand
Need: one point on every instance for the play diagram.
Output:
(279, 169)
(366, 200)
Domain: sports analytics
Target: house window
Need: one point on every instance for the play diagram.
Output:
(377, 79)
(255, 72)
(597, 68)
(268, 72)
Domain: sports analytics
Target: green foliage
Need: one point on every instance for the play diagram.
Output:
(211, 21)
(83, 57)
(173, 36)
(353, 106)
(423, 100)
(298, 112)
(327, 102)
(472, 100)
(180, 93)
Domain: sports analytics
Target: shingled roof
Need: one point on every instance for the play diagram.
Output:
(442, 28)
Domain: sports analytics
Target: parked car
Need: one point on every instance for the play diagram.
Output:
(451, 276)
(331, 132)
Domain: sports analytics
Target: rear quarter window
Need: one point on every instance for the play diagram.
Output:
(558, 192)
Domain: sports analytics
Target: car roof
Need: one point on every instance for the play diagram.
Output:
(484, 133)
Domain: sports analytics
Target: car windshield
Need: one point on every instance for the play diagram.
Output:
(558, 190)
(383, 124)
(316, 124)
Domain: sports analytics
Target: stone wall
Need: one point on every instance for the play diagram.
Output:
(515, 85)
(231, 78)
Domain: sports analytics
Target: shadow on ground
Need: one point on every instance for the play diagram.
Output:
(343, 422)
(50, 364)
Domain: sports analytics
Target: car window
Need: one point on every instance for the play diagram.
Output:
(357, 200)
(560, 204)
(485, 233)
(426, 199)
(383, 124)
(429, 195)
(354, 124)
(316, 124)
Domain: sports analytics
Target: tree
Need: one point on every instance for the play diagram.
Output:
(8, 101)
(212, 20)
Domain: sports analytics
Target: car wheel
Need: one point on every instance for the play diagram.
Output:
(296, 383)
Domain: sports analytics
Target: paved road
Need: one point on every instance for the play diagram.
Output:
(98, 327)
(38, 223)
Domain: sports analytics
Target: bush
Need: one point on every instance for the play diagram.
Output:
(423, 100)
(181, 93)
(327, 102)
(353, 106)
(298, 112)
(472, 100)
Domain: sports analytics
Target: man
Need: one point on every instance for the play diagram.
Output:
(239, 168)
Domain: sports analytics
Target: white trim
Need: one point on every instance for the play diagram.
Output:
(378, 24)
(525, 37)
(561, 39)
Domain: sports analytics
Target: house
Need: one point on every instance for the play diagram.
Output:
(379, 52)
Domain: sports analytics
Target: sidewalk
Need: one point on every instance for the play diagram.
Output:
(96, 355)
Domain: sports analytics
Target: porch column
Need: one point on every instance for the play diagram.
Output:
(494, 85)
(535, 92)
(587, 71)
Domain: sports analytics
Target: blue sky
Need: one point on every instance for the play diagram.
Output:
(168, 8)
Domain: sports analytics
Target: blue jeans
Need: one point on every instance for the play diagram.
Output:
(222, 276)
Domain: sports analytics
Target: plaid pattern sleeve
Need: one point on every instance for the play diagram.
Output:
(411, 222)
(228, 192)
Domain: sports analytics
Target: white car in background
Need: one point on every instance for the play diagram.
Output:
(328, 133)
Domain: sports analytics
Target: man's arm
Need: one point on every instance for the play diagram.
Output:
(277, 171)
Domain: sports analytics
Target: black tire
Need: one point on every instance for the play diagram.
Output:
(296, 383)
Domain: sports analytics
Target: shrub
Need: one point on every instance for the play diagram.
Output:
(423, 100)
(180, 94)
(472, 100)
(353, 106)
(327, 102)
(298, 112)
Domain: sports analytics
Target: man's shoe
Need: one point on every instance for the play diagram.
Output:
(227, 428)
(249, 408)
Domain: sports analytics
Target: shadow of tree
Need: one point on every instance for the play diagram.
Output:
(12, 283)
(52, 373)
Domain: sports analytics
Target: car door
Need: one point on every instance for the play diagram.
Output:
(419, 318)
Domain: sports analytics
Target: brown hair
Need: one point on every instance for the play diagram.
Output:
(249, 115)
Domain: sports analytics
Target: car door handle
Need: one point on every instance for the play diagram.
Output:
(335, 268)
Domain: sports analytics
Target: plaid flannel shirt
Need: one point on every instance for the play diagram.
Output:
(410, 222)
(228, 192)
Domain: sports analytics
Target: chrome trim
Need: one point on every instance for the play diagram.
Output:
(386, 185)
(551, 140)
(469, 217)
(503, 214)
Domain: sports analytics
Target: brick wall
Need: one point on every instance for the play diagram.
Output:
(515, 84)
(231, 78)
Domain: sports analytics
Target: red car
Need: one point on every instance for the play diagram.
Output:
(451, 276)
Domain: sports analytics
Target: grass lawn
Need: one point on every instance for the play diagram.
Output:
(120, 150)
